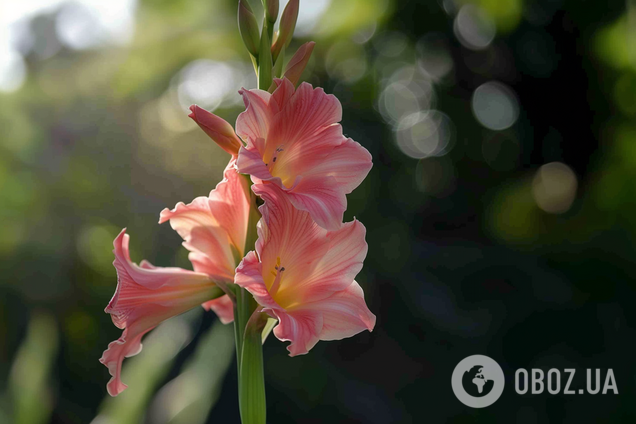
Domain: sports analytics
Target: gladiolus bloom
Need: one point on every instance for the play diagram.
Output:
(214, 229)
(295, 142)
(303, 275)
(217, 129)
(145, 296)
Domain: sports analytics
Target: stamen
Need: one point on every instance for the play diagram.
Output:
(278, 274)
(278, 150)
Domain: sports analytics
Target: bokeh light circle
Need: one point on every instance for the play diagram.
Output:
(474, 28)
(554, 187)
(495, 106)
(424, 134)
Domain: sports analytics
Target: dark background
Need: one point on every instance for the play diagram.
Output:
(475, 247)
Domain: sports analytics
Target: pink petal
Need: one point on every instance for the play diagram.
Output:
(301, 328)
(145, 296)
(322, 199)
(124, 347)
(285, 89)
(251, 162)
(344, 314)
(254, 122)
(340, 264)
(249, 276)
(302, 158)
(214, 227)
(307, 111)
(222, 307)
(348, 163)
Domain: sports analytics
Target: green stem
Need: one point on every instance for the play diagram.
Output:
(248, 370)
(251, 379)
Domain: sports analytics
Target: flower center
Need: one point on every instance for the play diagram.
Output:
(277, 168)
(272, 162)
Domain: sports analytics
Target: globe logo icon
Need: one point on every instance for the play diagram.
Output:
(478, 381)
(475, 383)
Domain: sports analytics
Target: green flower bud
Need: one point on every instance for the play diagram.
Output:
(287, 26)
(271, 10)
(248, 27)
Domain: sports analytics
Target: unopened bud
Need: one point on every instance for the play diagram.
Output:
(287, 26)
(265, 62)
(218, 129)
(248, 27)
(271, 10)
(298, 62)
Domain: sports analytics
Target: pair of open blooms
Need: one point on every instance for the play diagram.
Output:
(302, 272)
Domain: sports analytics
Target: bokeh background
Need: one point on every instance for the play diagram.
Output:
(501, 208)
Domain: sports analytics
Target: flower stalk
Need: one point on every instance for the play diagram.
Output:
(286, 266)
(251, 378)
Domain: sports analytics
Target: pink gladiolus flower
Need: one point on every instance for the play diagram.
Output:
(295, 142)
(214, 229)
(145, 296)
(303, 275)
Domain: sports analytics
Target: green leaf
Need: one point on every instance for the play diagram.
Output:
(29, 388)
(144, 372)
(271, 323)
(188, 398)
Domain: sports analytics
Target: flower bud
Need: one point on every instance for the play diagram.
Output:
(265, 62)
(287, 26)
(271, 10)
(248, 27)
(217, 129)
(298, 62)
